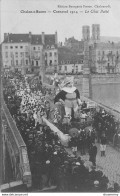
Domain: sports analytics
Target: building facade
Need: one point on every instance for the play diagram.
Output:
(74, 45)
(69, 62)
(105, 58)
(27, 53)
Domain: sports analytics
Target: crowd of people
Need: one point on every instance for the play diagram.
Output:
(105, 123)
(50, 163)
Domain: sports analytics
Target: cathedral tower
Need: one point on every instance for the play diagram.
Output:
(86, 33)
(95, 33)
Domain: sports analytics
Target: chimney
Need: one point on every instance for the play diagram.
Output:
(43, 38)
(56, 38)
(5, 36)
(30, 36)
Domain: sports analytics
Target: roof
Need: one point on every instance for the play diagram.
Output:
(30, 38)
(109, 45)
(15, 38)
(49, 39)
(108, 38)
(36, 39)
(72, 39)
(65, 54)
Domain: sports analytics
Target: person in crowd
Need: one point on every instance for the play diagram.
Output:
(103, 144)
(84, 105)
(50, 163)
(93, 154)
(83, 141)
(73, 144)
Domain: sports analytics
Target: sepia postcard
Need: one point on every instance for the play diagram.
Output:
(60, 97)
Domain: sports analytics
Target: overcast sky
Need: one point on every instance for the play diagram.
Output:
(67, 25)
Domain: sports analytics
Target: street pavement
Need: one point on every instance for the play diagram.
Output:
(109, 165)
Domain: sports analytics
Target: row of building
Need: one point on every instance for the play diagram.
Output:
(30, 53)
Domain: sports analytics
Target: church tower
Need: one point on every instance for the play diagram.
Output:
(86, 33)
(95, 33)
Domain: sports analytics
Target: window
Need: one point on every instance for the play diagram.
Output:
(55, 61)
(11, 47)
(6, 54)
(16, 54)
(50, 53)
(21, 54)
(16, 62)
(38, 48)
(26, 62)
(34, 48)
(65, 68)
(6, 47)
(76, 68)
(21, 46)
(50, 62)
(36, 63)
(45, 53)
(60, 68)
(55, 53)
(26, 54)
(16, 46)
(33, 63)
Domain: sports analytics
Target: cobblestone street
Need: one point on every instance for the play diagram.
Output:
(109, 165)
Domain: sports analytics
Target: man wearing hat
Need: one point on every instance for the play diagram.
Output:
(69, 96)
